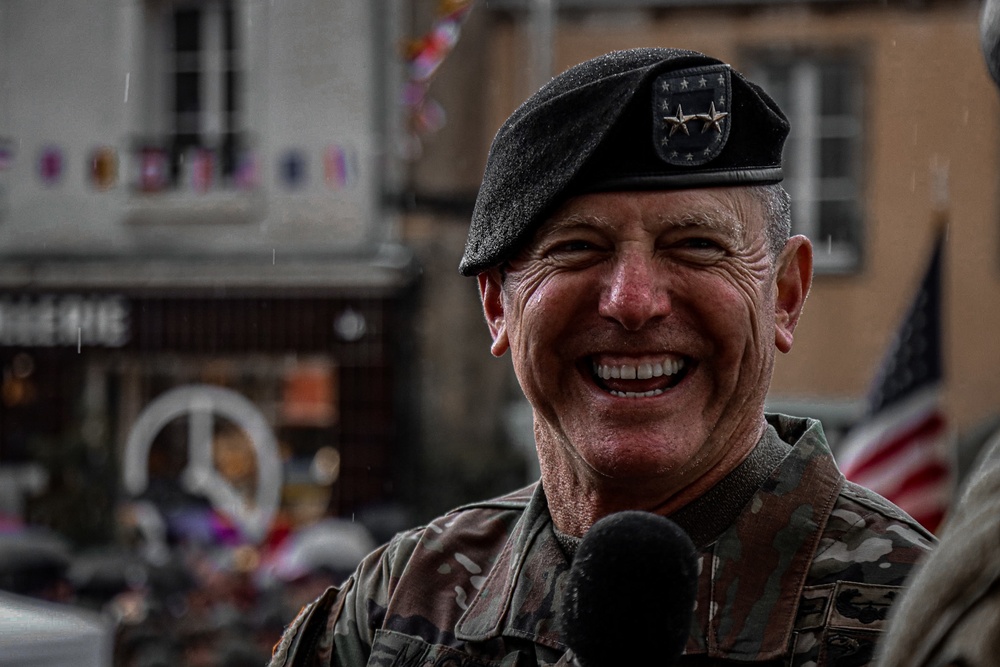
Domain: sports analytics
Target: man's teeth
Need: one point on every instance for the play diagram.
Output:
(643, 371)
(636, 394)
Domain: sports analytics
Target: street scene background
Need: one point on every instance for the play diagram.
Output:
(236, 351)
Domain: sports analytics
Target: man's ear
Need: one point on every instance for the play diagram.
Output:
(491, 293)
(793, 277)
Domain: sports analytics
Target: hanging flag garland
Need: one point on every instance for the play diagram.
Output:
(339, 166)
(154, 169)
(423, 58)
(103, 167)
(6, 153)
(50, 165)
(292, 168)
(247, 173)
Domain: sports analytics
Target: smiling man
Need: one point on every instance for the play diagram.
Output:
(642, 326)
(632, 249)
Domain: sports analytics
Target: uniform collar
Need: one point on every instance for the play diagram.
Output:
(743, 613)
(518, 596)
(749, 611)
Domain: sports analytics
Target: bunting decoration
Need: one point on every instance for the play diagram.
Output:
(154, 169)
(423, 58)
(200, 169)
(339, 166)
(292, 169)
(103, 167)
(50, 165)
(6, 153)
(247, 173)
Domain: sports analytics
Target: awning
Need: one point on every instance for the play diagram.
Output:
(379, 272)
(40, 634)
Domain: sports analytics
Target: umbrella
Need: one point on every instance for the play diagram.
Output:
(335, 545)
(32, 559)
(107, 572)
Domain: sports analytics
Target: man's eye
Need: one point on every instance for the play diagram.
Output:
(701, 244)
(575, 245)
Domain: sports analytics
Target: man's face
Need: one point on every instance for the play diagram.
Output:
(642, 328)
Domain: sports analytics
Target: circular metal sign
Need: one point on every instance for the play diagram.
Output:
(199, 402)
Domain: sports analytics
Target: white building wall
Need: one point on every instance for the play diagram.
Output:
(78, 74)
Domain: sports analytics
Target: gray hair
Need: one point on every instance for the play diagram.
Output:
(777, 208)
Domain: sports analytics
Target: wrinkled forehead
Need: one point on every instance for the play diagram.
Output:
(734, 212)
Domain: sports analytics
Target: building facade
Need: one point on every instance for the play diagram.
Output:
(895, 130)
(191, 196)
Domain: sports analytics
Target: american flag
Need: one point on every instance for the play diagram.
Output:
(901, 449)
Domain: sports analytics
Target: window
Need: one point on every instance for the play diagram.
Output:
(196, 141)
(822, 97)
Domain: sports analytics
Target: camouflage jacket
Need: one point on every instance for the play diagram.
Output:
(803, 575)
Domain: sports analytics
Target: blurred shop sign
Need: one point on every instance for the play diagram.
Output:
(202, 476)
(55, 320)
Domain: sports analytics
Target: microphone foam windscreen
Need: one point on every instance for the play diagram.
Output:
(631, 592)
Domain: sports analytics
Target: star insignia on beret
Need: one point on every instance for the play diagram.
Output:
(704, 92)
(712, 119)
(678, 121)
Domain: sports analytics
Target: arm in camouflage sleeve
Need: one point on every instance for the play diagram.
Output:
(337, 629)
(950, 613)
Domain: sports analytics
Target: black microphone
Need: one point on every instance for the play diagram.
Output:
(631, 592)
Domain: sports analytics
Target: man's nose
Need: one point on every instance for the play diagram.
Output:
(636, 292)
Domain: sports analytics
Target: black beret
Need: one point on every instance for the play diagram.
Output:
(643, 119)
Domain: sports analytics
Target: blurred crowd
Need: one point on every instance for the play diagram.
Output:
(184, 588)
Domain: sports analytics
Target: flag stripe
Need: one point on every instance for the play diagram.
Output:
(890, 482)
(888, 474)
(930, 475)
(868, 435)
(921, 499)
(931, 519)
(929, 428)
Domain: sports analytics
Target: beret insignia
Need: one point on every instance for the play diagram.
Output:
(691, 114)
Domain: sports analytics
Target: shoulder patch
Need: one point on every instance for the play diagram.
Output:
(861, 606)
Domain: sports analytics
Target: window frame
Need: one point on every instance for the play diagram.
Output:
(219, 122)
(812, 190)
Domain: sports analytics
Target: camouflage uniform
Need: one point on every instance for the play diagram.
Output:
(802, 575)
(960, 582)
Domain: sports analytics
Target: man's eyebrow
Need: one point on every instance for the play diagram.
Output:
(710, 219)
(714, 220)
(572, 222)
